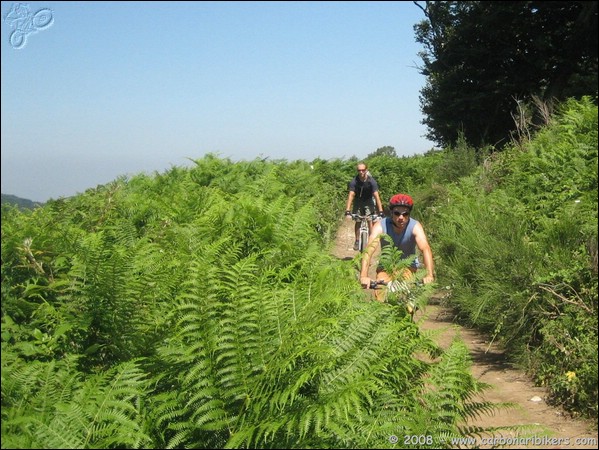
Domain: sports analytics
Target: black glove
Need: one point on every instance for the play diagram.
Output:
(382, 214)
(348, 213)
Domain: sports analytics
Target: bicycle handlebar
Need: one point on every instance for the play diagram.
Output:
(368, 216)
(375, 283)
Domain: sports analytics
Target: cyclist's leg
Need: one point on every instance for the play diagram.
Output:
(368, 210)
(407, 275)
(380, 294)
(399, 284)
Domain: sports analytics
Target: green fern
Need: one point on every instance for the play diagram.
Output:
(99, 412)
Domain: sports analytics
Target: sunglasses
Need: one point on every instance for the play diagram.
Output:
(399, 213)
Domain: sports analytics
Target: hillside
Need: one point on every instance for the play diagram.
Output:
(23, 203)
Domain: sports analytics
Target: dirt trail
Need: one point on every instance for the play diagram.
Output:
(551, 428)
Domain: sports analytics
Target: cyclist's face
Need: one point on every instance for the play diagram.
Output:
(362, 171)
(401, 215)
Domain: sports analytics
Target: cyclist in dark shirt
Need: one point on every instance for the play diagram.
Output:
(363, 193)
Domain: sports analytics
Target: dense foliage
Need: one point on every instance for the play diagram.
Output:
(517, 239)
(481, 58)
(200, 308)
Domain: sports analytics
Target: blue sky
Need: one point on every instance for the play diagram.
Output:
(118, 88)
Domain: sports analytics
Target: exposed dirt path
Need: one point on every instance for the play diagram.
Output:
(550, 427)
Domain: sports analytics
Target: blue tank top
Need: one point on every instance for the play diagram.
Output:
(405, 241)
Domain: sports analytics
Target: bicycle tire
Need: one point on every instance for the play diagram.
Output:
(43, 19)
(363, 240)
(17, 39)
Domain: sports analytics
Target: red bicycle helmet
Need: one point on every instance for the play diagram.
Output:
(401, 200)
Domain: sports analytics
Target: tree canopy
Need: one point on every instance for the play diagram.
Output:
(482, 58)
(387, 150)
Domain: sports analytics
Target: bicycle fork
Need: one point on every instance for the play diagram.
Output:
(364, 234)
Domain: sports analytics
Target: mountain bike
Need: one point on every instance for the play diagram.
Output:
(364, 228)
(399, 292)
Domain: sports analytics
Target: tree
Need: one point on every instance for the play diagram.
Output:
(481, 58)
(384, 151)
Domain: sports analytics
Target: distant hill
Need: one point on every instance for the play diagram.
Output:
(20, 202)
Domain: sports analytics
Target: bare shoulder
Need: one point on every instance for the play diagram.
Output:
(418, 229)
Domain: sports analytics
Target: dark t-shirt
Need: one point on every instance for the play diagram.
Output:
(363, 189)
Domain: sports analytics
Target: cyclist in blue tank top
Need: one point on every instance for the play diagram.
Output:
(407, 234)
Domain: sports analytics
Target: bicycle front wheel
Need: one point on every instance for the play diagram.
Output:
(363, 240)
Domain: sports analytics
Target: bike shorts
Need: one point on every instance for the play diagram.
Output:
(363, 207)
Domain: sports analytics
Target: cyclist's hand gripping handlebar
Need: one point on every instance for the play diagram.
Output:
(376, 283)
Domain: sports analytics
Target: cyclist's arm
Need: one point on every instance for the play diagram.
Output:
(373, 243)
(350, 199)
(379, 203)
(427, 253)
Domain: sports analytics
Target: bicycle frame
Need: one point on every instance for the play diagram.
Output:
(364, 229)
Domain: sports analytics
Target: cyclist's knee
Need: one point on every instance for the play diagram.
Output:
(379, 295)
(382, 275)
(408, 274)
